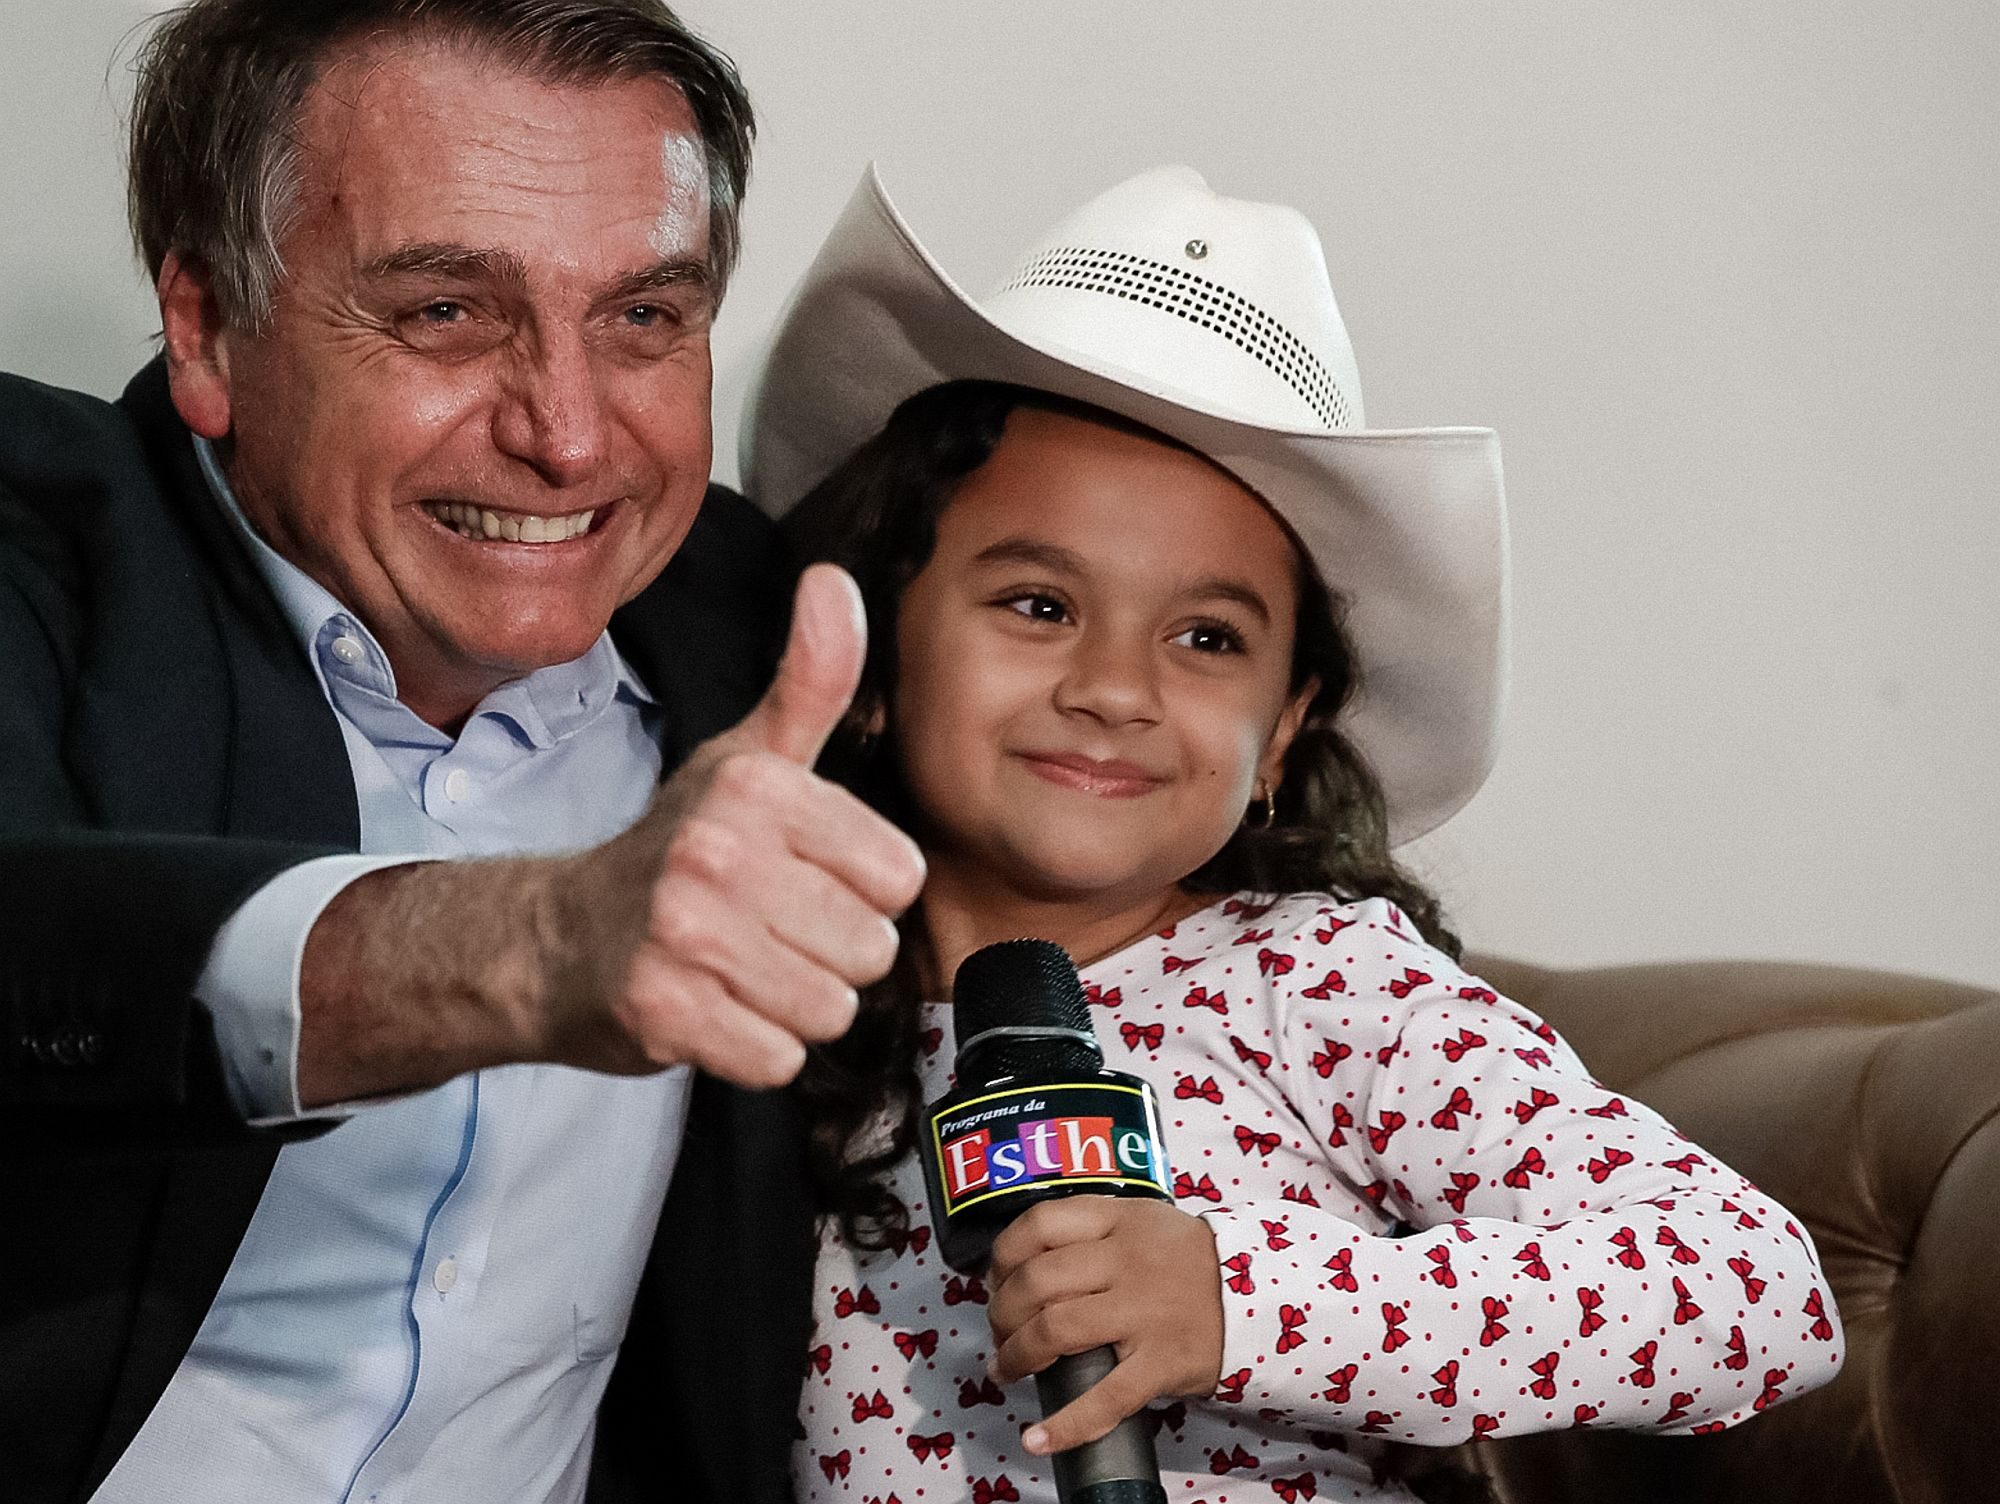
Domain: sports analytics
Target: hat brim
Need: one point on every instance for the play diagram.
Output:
(1408, 526)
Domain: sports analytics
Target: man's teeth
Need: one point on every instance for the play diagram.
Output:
(510, 527)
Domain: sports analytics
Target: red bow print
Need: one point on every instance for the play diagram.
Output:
(1822, 1327)
(820, 1358)
(925, 1447)
(1585, 1414)
(1410, 980)
(1463, 1183)
(1220, 1462)
(1530, 1163)
(1325, 987)
(1342, 1119)
(918, 1238)
(1290, 1319)
(1531, 1261)
(1739, 1354)
(1454, 1049)
(1774, 1380)
(1544, 1369)
(1252, 937)
(1173, 964)
(1251, 1142)
(1172, 1418)
(1302, 1194)
(1342, 1265)
(1274, 963)
(979, 1392)
(1535, 1058)
(1230, 1390)
(867, 1405)
(1247, 909)
(1441, 1271)
(909, 1344)
(999, 1490)
(1333, 927)
(1460, 1231)
(1600, 1169)
(1239, 1281)
(1743, 1218)
(846, 1302)
(1677, 1407)
(1275, 1235)
(930, 1039)
(836, 1463)
(878, 1499)
(1642, 1373)
(1664, 1203)
(1376, 1421)
(1151, 1036)
(961, 1291)
(1201, 997)
(1666, 1237)
(1611, 1109)
(1325, 1060)
(1536, 1100)
(1493, 1308)
(1708, 1428)
(1447, 1115)
(1185, 1185)
(1590, 1300)
(1340, 1383)
(1628, 1248)
(1379, 1136)
(1685, 1164)
(1291, 1490)
(1259, 1058)
(1393, 1336)
(1479, 994)
(1446, 1394)
(1483, 1426)
(1207, 1090)
(1100, 997)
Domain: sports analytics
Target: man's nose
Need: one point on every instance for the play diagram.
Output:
(1111, 676)
(551, 414)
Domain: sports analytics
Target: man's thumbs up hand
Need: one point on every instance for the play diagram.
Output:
(733, 922)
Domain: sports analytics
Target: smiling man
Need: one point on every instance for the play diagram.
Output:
(395, 817)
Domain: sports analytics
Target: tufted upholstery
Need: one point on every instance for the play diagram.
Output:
(1867, 1103)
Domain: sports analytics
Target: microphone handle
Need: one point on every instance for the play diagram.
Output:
(1118, 1468)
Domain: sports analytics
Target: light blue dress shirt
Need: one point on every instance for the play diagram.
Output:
(426, 1304)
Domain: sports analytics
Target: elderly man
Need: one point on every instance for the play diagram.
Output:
(333, 1173)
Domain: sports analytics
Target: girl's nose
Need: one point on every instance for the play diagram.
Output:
(1112, 678)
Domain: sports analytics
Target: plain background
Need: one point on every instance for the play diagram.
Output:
(1721, 275)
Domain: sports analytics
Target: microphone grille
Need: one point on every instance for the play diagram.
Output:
(1018, 982)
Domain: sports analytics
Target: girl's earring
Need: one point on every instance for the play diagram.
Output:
(1263, 809)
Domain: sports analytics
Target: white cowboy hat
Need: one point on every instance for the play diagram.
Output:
(1211, 320)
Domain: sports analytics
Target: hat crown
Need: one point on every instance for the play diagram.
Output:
(1223, 304)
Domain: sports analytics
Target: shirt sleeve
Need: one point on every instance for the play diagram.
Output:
(250, 986)
(1558, 1254)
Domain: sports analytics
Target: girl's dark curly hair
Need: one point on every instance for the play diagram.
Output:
(877, 517)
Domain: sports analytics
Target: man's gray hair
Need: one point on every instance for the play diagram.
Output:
(213, 172)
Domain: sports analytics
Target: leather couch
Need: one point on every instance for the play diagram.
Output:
(1868, 1104)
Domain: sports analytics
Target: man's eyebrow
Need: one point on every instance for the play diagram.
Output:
(670, 271)
(474, 263)
(1060, 560)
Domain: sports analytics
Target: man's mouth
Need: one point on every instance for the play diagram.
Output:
(485, 524)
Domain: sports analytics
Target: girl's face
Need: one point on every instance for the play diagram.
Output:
(1094, 666)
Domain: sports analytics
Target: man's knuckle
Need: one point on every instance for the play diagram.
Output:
(758, 779)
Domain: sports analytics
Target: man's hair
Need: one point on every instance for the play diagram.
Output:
(213, 172)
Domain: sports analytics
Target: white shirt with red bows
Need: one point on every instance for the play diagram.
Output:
(1433, 1225)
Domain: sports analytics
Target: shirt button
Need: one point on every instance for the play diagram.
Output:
(445, 1275)
(347, 649)
(456, 782)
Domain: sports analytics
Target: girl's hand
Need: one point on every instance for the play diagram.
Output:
(1087, 1271)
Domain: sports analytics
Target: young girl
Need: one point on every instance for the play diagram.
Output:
(1165, 651)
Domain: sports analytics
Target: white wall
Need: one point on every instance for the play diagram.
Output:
(1721, 275)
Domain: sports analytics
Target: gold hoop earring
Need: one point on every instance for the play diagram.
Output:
(1263, 812)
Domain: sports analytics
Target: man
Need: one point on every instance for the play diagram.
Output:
(310, 1199)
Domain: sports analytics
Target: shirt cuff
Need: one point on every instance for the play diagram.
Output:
(250, 986)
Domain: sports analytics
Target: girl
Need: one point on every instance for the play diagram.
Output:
(1165, 652)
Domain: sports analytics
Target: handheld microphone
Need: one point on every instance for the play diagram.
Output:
(1036, 1115)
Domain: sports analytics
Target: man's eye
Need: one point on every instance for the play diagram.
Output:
(1038, 607)
(1211, 637)
(646, 315)
(443, 311)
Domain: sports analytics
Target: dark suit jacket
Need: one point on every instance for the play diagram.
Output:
(164, 750)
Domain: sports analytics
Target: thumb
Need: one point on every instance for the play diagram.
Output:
(819, 672)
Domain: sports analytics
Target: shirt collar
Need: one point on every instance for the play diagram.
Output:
(545, 707)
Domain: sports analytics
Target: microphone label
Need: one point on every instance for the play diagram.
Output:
(1026, 1142)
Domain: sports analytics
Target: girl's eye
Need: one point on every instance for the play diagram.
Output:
(1211, 637)
(1038, 607)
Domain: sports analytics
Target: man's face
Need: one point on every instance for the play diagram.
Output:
(480, 413)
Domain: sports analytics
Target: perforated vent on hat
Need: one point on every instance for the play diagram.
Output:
(1198, 300)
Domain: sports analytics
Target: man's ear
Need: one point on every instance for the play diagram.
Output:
(1271, 766)
(197, 345)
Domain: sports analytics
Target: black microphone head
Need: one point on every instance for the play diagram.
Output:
(1021, 984)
